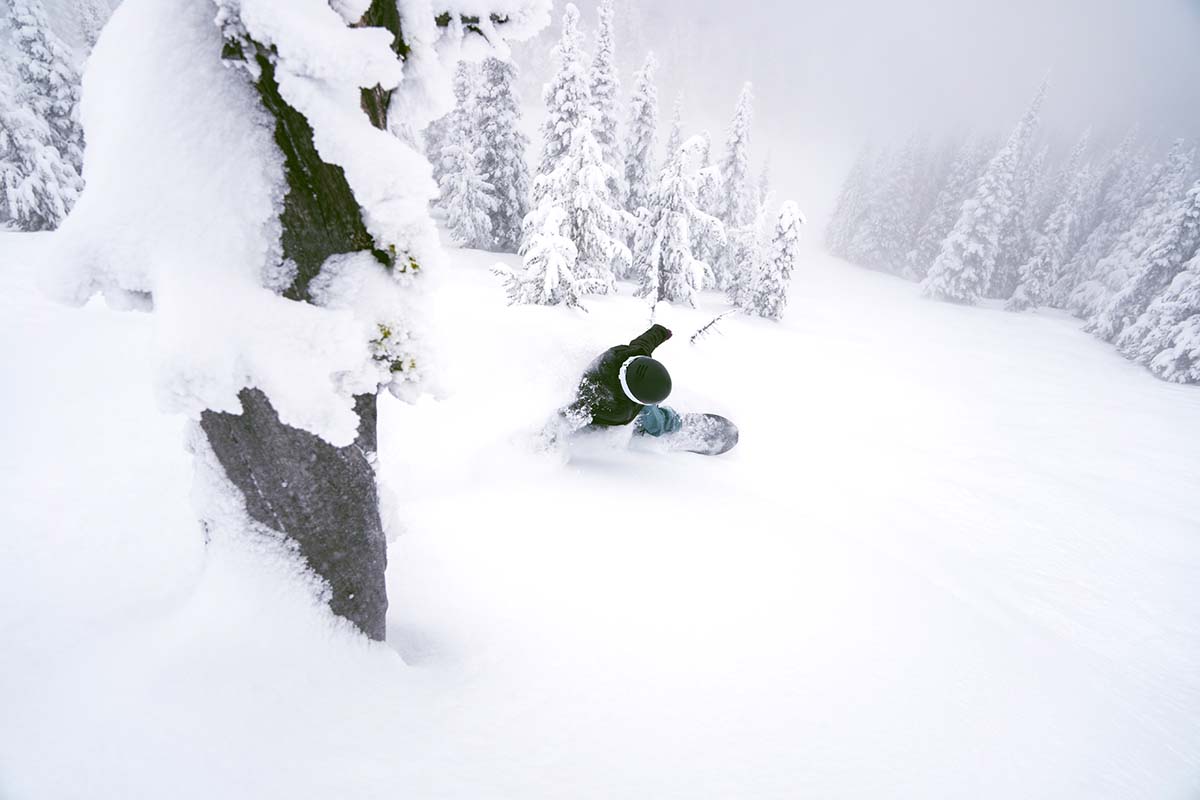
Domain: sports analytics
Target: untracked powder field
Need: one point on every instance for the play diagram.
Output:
(898, 584)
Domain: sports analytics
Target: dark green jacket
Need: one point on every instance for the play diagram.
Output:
(600, 399)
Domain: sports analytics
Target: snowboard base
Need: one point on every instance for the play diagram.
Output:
(706, 434)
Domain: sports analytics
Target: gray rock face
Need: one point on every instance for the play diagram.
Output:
(322, 497)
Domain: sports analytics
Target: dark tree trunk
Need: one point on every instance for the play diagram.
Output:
(322, 497)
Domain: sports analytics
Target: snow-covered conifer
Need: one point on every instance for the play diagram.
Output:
(1051, 249)
(567, 96)
(748, 247)
(850, 205)
(737, 202)
(1171, 348)
(959, 183)
(502, 161)
(547, 276)
(469, 200)
(737, 194)
(663, 257)
(1019, 234)
(963, 268)
(708, 189)
(769, 296)
(1140, 333)
(675, 136)
(448, 130)
(50, 76)
(605, 88)
(1127, 258)
(889, 228)
(1117, 207)
(579, 186)
(640, 138)
(37, 184)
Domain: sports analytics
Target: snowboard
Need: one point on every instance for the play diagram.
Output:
(706, 434)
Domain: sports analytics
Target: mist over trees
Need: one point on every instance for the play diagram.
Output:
(1109, 235)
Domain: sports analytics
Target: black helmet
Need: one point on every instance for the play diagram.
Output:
(645, 380)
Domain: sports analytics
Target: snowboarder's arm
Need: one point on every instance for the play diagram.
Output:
(658, 420)
(650, 339)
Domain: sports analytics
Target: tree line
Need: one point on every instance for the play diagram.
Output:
(601, 207)
(1111, 236)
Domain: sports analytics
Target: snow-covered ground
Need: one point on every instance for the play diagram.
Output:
(956, 554)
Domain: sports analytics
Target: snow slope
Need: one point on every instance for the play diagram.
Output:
(955, 554)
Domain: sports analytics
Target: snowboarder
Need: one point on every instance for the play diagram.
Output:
(625, 384)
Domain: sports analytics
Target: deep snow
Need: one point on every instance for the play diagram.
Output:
(955, 554)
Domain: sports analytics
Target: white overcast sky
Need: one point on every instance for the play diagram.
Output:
(828, 74)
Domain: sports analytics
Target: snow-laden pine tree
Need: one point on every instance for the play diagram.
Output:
(1115, 271)
(958, 186)
(1019, 235)
(769, 295)
(737, 209)
(50, 76)
(663, 259)
(1140, 334)
(762, 189)
(37, 185)
(1171, 347)
(851, 203)
(641, 137)
(447, 131)
(708, 191)
(1116, 208)
(548, 273)
(502, 146)
(41, 142)
(605, 88)
(567, 96)
(1051, 249)
(963, 269)
(675, 136)
(468, 200)
(579, 186)
(294, 299)
(748, 245)
(888, 229)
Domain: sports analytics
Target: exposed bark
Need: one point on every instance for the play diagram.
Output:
(322, 497)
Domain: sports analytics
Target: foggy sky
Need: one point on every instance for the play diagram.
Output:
(829, 74)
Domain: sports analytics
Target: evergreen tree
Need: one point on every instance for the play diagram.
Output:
(770, 287)
(548, 275)
(1125, 260)
(1052, 247)
(850, 205)
(1140, 334)
(579, 186)
(1117, 207)
(888, 229)
(1171, 347)
(1019, 236)
(708, 189)
(446, 132)
(41, 143)
(468, 199)
(37, 185)
(605, 88)
(641, 137)
(737, 205)
(50, 76)
(675, 137)
(663, 255)
(567, 96)
(502, 160)
(963, 268)
(748, 245)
